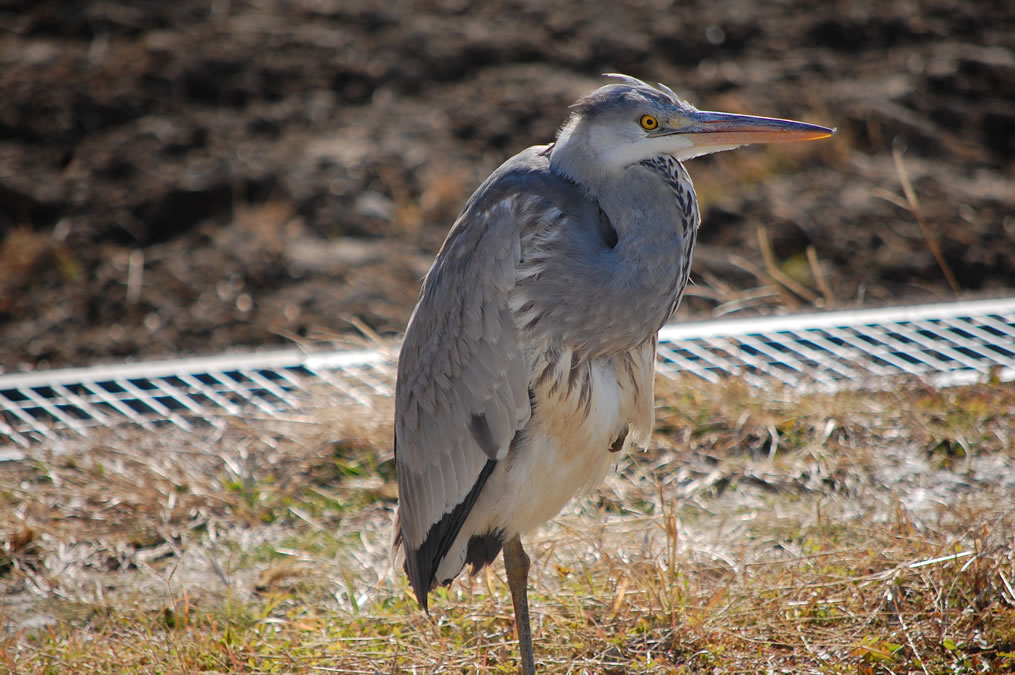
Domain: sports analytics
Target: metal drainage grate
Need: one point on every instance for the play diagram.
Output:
(46, 406)
(944, 344)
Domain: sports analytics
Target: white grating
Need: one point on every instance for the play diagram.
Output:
(943, 344)
(45, 406)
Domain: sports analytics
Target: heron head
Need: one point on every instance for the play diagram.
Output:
(625, 123)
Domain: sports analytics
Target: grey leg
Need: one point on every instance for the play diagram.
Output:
(516, 562)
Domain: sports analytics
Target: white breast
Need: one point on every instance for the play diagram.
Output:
(575, 421)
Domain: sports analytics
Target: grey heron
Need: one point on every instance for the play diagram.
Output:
(528, 362)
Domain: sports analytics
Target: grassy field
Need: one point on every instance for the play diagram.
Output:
(760, 531)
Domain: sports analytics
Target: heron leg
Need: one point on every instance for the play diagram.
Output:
(516, 562)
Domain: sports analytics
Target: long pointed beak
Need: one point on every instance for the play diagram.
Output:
(718, 130)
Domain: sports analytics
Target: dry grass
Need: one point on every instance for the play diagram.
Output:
(761, 531)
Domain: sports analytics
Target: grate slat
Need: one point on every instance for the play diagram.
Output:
(942, 344)
(100, 392)
(201, 388)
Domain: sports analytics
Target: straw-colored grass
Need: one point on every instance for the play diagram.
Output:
(761, 531)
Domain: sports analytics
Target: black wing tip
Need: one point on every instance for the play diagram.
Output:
(421, 563)
(420, 582)
(424, 602)
(418, 593)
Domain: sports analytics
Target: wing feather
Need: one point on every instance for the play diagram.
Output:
(463, 388)
(461, 361)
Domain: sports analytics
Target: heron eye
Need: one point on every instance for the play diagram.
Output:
(648, 122)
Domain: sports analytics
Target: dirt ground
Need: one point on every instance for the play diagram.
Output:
(190, 177)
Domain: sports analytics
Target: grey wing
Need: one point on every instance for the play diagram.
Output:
(462, 388)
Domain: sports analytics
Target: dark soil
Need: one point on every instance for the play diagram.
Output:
(189, 177)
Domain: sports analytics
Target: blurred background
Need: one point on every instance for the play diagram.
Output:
(190, 177)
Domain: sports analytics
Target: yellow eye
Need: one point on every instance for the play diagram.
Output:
(648, 123)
